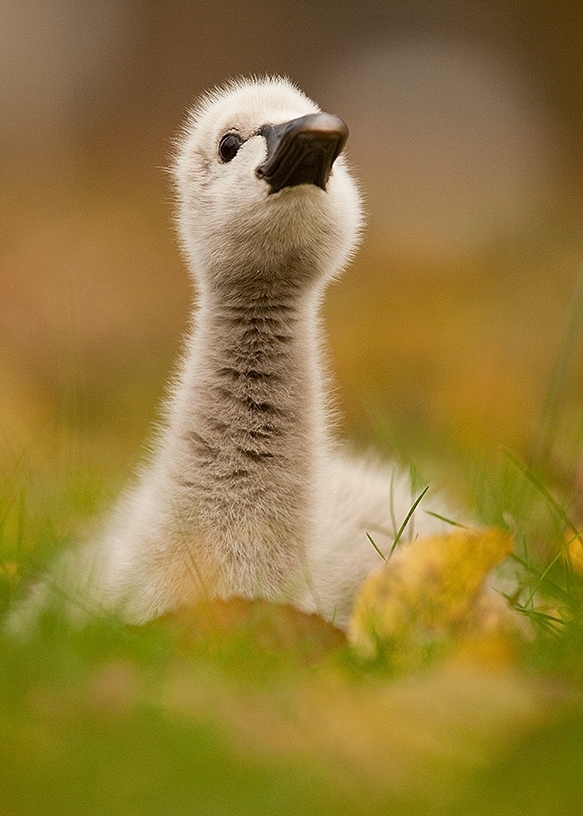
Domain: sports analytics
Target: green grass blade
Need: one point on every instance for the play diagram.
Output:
(406, 520)
(446, 520)
(551, 411)
(372, 541)
(541, 489)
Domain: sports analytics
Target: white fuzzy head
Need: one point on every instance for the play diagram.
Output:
(232, 226)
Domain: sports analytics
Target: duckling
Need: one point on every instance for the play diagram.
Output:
(247, 493)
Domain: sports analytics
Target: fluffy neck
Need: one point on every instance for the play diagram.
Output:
(248, 430)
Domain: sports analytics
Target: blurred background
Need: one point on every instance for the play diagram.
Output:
(466, 123)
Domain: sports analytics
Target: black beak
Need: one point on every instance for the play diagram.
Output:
(302, 151)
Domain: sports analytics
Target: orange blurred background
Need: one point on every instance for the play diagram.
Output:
(466, 133)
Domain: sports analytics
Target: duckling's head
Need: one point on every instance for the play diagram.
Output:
(263, 192)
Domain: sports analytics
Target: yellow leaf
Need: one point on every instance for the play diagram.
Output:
(575, 553)
(426, 595)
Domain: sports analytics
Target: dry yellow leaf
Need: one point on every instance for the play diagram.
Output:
(429, 593)
(274, 627)
(574, 553)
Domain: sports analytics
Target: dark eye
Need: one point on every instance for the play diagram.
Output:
(229, 145)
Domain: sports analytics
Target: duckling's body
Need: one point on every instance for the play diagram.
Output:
(246, 493)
